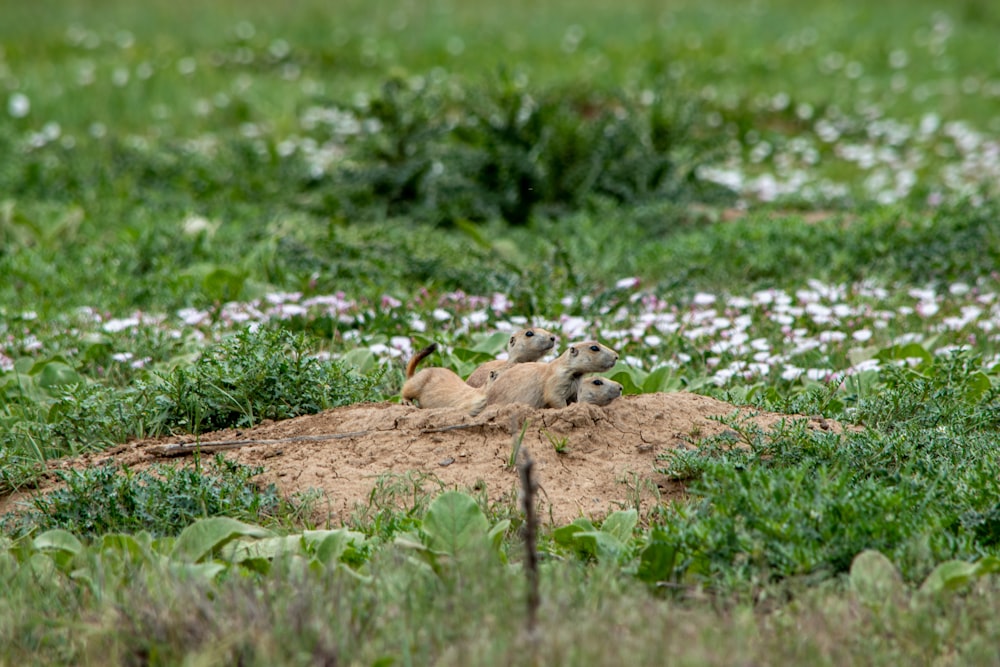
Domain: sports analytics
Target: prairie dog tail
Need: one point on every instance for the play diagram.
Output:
(417, 358)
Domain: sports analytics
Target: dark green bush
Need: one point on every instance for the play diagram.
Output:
(162, 499)
(267, 373)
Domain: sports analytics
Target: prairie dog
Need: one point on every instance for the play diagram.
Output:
(551, 385)
(599, 391)
(526, 345)
(440, 387)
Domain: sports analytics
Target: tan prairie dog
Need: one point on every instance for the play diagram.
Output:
(526, 345)
(440, 387)
(551, 385)
(599, 391)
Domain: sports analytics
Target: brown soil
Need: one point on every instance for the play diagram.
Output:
(610, 458)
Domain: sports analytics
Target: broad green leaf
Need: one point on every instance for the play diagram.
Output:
(988, 565)
(363, 578)
(605, 546)
(361, 359)
(455, 523)
(621, 524)
(330, 548)
(660, 379)
(950, 575)
(258, 565)
(861, 384)
(631, 379)
(204, 572)
(410, 541)
(656, 562)
(23, 365)
(566, 535)
(58, 539)
(908, 351)
(60, 545)
(126, 546)
(57, 374)
(492, 344)
(205, 536)
(858, 354)
(496, 534)
(268, 548)
(42, 566)
(223, 284)
(976, 384)
(874, 577)
(468, 356)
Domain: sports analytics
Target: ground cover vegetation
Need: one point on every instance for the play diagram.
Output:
(211, 216)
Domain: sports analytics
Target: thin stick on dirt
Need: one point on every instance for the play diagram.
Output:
(529, 487)
(453, 427)
(221, 445)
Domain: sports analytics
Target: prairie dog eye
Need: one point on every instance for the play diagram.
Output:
(595, 348)
(598, 383)
(529, 334)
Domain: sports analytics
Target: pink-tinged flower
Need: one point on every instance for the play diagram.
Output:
(390, 302)
(861, 335)
(866, 365)
(283, 297)
(627, 283)
(790, 372)
(476, 318)
(927, 308)
(573, 327)
(381, 350)
(193, 317)
(819, 374)
(6, 363)
(288, 310)
(500, 303)
(116, 325)
(703, 299)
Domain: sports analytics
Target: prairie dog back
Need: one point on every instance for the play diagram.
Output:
(437, 387)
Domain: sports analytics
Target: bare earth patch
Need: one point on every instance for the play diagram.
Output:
(609, 460)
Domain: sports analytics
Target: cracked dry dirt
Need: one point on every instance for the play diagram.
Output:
(610, 459)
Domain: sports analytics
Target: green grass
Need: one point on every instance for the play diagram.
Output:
(343, 179)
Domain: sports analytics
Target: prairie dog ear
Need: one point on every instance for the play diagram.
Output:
(512, 339)
(573, 351)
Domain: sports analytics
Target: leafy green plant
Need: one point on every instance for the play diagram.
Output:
(609, 544)
(162, 499)
(561, 445)
(453, 527)
(260, 374)
(505, 151)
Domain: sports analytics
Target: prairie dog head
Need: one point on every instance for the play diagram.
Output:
(599, 391)
(529, 344)
(589, 357)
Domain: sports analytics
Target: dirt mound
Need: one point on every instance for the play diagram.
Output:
(609, 459)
